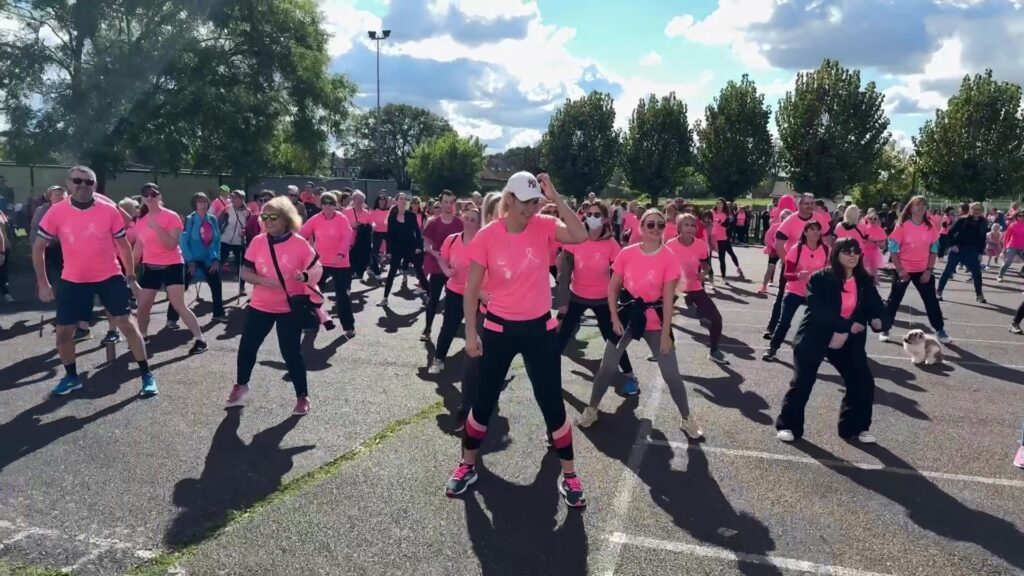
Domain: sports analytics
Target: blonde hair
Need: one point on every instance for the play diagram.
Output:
(129, 205)
(996, 228)
(283, 207)
(491, 208)
(852, 214)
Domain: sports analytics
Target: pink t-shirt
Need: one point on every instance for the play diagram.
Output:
(810, 261)
(517, 265)
(437, 231)
(913, 243)
(1014, 236)
(86, 239)
(857, 233)
(718, 226)
(591, 267)
(670, 230)
(769, 238)
(689, 259)
(154, 251)
(332, 238)
(793, 228)
(293, 255)
(644, 276)
(630, 223)
(455, 252)
(741, 218)
(849, 298)
(380, 220)
(363, 217)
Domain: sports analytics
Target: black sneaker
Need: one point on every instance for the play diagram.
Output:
(1015, 329)
(425, 336)
(767, 335)
(981, 299)
(112, 337)
(198, 347)
(938, 296)
(462, 478)
(82, 334)
(717, 357)
(768, 356)
(571, 489)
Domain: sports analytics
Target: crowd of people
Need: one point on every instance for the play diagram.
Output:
(488, 263)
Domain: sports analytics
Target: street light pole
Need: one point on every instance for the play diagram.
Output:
(378, 37)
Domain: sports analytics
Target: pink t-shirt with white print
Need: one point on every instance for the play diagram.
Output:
(154, 251)
(591, 267)
(293, 255)
(689, 259)
(517, 266)
(644, 276)
(810, 262)
(332, 238)
(87, 239)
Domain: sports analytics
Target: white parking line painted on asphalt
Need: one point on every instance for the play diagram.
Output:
(724, 554)
(841, 464)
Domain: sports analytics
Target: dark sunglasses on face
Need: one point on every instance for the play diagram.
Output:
(660, 225)
(269, 217)
(851, 251)
(263, 200)
(328, 203)
(81, 181)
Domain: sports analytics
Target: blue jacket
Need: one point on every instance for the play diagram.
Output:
(192, 247)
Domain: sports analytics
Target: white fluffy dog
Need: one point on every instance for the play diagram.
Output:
(922, 348)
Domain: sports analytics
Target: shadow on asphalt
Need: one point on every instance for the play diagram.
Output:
(22, 328)
(236, 475)
(926, 504)
(726, 391)
(982, 366)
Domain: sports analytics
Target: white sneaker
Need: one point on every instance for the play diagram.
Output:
(884, 337)
(866, 437)
(785, 435)
(587, 419)
(692, 429)
(435, 367)
(8, 298)
(383, 302)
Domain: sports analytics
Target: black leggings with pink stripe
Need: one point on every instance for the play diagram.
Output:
(537, 341)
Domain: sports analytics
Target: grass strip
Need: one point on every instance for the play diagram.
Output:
(165, 561)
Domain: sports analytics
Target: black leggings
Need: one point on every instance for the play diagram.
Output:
(791, 303)
(851, 362)
(435, 286)
(216, 293)
(238, 251)
(375, 257)
(399, 262)
(604, 323)
(1020, 314)
(777, 306)
(4, 288)
(927, 292)
(254, 332)
(706, 308)
(536, 340)
(342, 278)
(453, 316)
(724, 246)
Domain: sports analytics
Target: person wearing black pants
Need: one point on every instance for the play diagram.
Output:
(436, 231)
(803, 260)
(1017, 318)
(514, 250)
(258, 325)
(405, 242)
(692, 254)
(722, 219)
(842, 302)
(453, 261)
(966, 245)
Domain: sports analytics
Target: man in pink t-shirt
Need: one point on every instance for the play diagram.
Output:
(91, 235)
(434, 233)
(788, 236)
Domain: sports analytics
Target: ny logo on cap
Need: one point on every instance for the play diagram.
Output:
(531, 183)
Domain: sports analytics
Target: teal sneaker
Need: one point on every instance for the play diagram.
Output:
(67, 385)
(631, 387)
(148, 386)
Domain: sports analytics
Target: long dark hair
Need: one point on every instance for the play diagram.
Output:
(859, 272)
(377, 201)
(906, 210)
(725, 207)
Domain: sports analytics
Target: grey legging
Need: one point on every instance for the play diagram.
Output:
(667, 363)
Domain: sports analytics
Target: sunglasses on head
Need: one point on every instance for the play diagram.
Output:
(81, 181)
(269, 217)
(660, 225)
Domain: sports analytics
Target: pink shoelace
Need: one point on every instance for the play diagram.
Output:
(574, 484)
(461, 470)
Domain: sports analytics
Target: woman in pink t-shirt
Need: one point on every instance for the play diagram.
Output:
(913, 247)
(874, 244)
(278, 253)
(1013, 243)
(454, 263)
(842, 302)
(649, 273)
(379, 215)
(584, 273)
(721, 217)
(332, 237)
(692, 255)
(157, 233)
(807, 257)
(769, 249)
(513, 251)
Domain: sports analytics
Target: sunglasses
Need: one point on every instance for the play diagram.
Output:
(263, 200)
(854, 251)
(81, 181)
(150, 193)
(660, 225)
(269, 217)
(328, 203)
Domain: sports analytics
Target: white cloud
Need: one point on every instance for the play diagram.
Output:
(727, 25)
(679, 25)
(524, 137)
(652, 58)
(918, 93)
(466, 126)
(346, 24)
(695, 93)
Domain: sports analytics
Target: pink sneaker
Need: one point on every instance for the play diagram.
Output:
(1018, 460)
(237, 396)
(762, 290)
(301, 407)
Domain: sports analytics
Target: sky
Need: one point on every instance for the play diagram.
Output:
(497, 69)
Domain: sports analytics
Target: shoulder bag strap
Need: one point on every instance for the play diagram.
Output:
(277, 268)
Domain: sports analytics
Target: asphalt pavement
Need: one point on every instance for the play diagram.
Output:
(101, 482)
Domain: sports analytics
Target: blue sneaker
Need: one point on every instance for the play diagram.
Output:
(631, 387)
(67, 385)
(148, 386)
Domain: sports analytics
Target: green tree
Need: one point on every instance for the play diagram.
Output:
(581, 146)
(657, 145)
(447, 162)
(974, 149)
(382, 144)
(202, 85)
(832, 131)
(735, 148)
(522, 157)
(895, 181)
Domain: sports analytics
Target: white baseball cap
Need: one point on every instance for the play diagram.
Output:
(524, 186)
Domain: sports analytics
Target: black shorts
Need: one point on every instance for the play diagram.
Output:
(773, 259)
(75, 299)
(155, 279)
